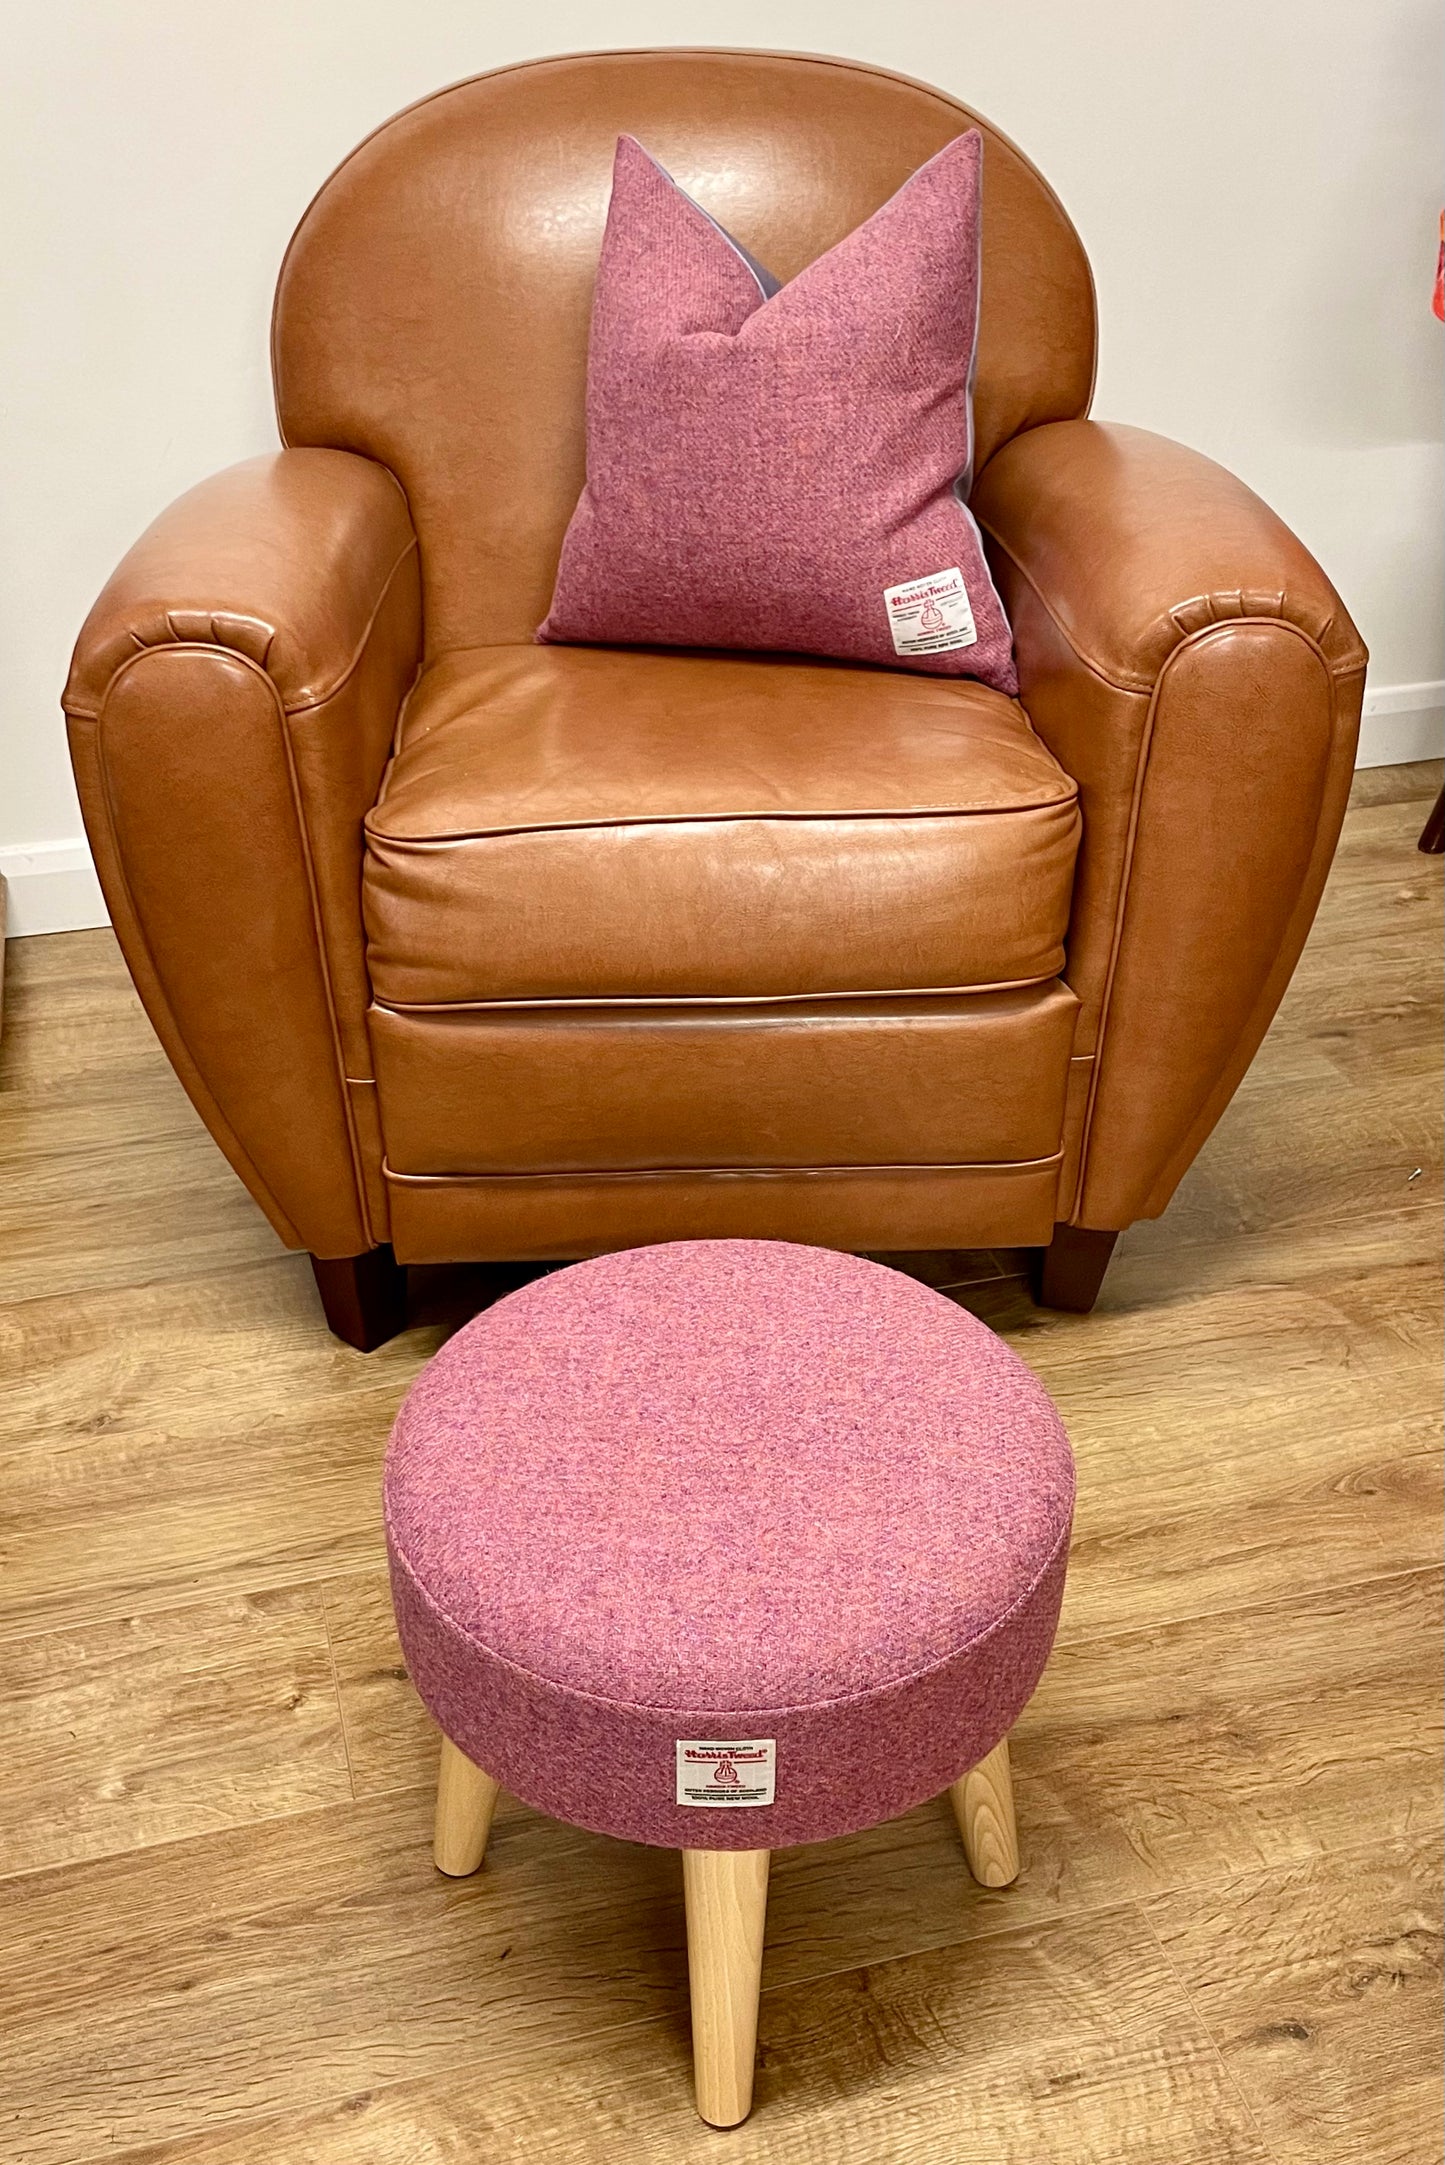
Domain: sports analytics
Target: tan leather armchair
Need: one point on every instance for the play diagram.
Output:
(466, 948)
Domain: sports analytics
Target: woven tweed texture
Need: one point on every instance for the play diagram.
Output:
(765, 463)
(727, 1490)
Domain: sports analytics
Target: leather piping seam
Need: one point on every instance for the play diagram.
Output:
(303, 704)
(705, 1000)
(727, 1172)
(1121, 907)
(617, 823)
(715, 52)
(138, 923)
(323, 955)
(204, 647)
(1142, 686)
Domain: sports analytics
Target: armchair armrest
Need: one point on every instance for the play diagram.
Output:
(1189, 663)
(283, 560)
(1132, 543)
(231, 706)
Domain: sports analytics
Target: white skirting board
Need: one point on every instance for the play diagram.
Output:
(1402, 722)
(53, 887)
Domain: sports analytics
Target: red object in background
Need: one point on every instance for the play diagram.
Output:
(1437, 298)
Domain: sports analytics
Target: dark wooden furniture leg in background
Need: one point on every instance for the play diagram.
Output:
(1069, 1272)
(1432, 834)
(364, 1296)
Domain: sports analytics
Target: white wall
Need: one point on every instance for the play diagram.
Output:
(1257, 183)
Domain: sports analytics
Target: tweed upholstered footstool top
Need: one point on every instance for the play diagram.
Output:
(727, 1545)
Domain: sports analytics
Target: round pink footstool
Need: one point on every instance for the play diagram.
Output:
(726, 1545)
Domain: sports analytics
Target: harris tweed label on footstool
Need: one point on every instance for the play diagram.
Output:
(710, 1772)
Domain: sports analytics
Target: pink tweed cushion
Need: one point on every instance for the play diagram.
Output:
(786, 468)
(726, 1490)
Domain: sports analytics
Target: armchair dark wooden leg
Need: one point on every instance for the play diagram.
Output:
(364, 1296)
(1069, 1272)
(1432, 835)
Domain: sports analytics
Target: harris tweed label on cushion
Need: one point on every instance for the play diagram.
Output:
(931, 616)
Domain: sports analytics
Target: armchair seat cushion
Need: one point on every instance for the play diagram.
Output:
(584, 824)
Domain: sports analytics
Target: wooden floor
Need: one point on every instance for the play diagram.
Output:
(221, 1937)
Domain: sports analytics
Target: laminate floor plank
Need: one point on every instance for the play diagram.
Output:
(183, 1438)
(258, 1970)
(1227, 1459)
(160, 1726)
(123, 1200)
(390, 1738)
(1304, 1174)
(1413, 783)
(1053, 2047)
(1223, 1743)
(1321, 1983)
(75, 1032)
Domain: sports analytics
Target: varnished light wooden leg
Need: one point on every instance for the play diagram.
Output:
(983, 1800)
(466, 1798)
(726, 1892)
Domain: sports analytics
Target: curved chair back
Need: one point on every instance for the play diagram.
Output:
(432, 311)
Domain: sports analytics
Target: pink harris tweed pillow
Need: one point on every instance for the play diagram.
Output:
(785, 467)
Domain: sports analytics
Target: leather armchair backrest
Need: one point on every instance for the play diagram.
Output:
(432, 311)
